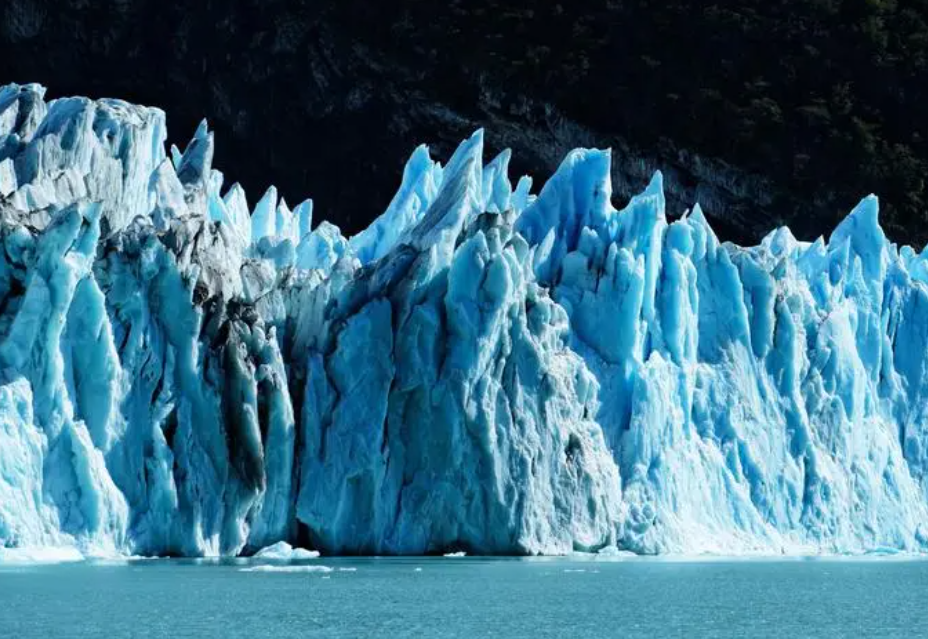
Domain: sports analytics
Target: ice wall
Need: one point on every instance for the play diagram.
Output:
(481, 369)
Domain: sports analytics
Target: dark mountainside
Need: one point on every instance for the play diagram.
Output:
(775, 112)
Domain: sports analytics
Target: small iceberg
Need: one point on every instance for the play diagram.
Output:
(282, 551)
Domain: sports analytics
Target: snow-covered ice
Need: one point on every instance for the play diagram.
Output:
(483, 368)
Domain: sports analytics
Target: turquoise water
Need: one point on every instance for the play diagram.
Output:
(468, 597)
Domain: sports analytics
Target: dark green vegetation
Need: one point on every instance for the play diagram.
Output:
(825, 98)
(768, 112)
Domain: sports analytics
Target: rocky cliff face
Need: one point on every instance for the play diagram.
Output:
(323, 96)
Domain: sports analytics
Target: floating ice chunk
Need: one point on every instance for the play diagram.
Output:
(285, 552)
(287, 569)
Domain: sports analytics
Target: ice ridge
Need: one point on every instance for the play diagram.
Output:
(481, 370)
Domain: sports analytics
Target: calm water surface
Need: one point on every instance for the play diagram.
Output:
(468, 597)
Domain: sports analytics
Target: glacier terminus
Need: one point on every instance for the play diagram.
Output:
(484, 368)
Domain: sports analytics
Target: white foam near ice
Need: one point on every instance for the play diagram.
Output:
(39, 555)
(287, 569)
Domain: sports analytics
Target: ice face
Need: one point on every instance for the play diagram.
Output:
(481, 370)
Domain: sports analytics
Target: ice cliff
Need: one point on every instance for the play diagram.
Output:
(481, 369)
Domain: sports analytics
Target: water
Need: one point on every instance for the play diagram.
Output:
(468, 597)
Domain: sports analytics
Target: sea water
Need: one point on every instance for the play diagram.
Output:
(466, 597)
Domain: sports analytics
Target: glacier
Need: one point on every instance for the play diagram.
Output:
(483, 369)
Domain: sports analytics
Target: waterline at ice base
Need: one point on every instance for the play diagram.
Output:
(486, 368)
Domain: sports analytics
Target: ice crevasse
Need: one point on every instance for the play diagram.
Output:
(482, 369)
